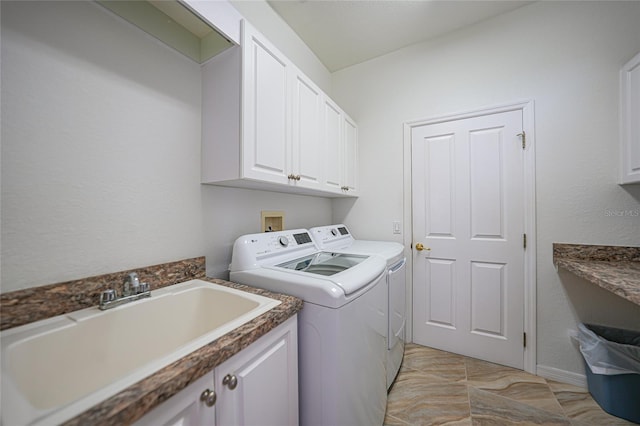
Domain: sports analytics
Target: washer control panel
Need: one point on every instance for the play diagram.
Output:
(331, 236)
(269, 248)
(270, 242)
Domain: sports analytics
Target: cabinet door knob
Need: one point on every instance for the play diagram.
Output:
(230, 381)
(208, 397)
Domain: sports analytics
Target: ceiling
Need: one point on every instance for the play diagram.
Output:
(346, 32)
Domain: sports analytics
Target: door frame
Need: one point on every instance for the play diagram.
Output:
(529, 172)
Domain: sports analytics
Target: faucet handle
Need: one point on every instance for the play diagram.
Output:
(144, 288)
(108, 296)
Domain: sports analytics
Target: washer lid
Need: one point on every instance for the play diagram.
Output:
(350, 272)
(324, 263)
(390, 250)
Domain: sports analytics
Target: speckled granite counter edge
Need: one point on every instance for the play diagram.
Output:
(613, 268)
(30, 305)
(36, 303)
(595, 252)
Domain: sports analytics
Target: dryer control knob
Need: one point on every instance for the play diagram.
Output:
(334, 232)
(284, 241)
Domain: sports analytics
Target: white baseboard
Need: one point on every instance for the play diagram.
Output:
(562, 376)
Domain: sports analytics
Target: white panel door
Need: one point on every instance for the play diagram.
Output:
(333, 145)
(306, 145)
(350, 161)
(186, 408)
(262, 384)
(468, 213)
(630, 121)
(266, 148)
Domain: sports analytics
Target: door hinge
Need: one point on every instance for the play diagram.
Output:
(523, 135)
(524, 340)
(524, 241)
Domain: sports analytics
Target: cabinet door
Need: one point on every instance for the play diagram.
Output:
(264, 379)
(306, 141)
(630, 121)
(350, 162)
(185, 408)
(265, 119)
(333, 146)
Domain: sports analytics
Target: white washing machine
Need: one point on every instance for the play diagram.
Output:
(337, 238)
(342, 328)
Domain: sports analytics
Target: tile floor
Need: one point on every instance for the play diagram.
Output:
(440, 388)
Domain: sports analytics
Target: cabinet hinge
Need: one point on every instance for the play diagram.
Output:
(524, 241)
(523, 135)
(524, 340)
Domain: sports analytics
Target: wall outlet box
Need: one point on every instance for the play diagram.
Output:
(272, 221)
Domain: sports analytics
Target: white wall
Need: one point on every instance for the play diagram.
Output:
(564, 55)
(101, 153)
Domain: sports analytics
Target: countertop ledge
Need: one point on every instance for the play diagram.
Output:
(614, 268)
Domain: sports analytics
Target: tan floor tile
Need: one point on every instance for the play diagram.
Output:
(537, 395)
(560, 387)
(436, 362)
(439, 388)
(390, 420)
(417, 400)
(481, 372)
(491, 409)
(583, 410)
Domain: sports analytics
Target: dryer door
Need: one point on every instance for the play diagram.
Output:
(397, 304)
(397, 315)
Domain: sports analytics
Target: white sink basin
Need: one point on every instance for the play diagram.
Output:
(57, 368)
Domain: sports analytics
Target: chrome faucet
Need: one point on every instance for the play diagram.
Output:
(131, 284)
(132, 290)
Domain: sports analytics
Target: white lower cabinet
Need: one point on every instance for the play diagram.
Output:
(256, 386)
(185, 408)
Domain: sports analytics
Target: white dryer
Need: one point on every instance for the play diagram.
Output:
(342, 328)
(337, 238)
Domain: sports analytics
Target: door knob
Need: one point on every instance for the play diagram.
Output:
(420, 247)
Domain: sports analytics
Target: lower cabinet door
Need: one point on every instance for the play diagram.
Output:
(259, 385)
(192, 406)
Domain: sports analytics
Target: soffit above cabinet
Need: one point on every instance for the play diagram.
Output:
(173, 24)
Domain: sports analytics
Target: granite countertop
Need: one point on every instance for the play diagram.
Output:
(125, 407)
(614, 268)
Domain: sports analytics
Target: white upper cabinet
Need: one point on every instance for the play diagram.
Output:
(333, 144)
(306, 164)
(266, 147)
(264, 125)
(350, 160)
(630, 121)
(340, 141)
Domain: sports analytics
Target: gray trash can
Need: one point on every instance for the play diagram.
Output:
(612, 364)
